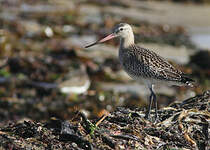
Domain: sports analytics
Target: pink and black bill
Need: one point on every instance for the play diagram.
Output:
(109, 37)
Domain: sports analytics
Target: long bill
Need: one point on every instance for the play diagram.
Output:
(109, 37)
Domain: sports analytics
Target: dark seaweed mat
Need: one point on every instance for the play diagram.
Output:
(182, 125)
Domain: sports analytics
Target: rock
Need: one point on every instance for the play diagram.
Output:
(32, 28)
(201, 40)
(76, 81)
(201, 59)
(182, 125)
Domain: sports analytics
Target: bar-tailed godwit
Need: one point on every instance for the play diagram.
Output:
(143, 64)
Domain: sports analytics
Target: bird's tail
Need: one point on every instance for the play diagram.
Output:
(187, 81)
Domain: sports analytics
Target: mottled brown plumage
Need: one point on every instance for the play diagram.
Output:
(144, 64)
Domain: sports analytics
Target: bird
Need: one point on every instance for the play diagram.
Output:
(143, 64)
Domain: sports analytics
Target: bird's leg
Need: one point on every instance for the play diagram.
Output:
(155, 101)
(147, 116)
(152, 98)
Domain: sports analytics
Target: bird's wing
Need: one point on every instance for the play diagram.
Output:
(158, 67)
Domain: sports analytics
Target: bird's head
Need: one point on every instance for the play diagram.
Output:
(121, 30)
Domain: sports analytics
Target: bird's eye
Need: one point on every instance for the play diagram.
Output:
(121, 29)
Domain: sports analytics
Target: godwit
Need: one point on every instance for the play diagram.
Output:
(143, 64)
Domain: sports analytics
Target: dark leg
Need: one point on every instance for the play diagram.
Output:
(152, 98)
(155, 101)
(147, 116)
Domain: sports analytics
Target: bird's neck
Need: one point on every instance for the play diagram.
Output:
(125, 42)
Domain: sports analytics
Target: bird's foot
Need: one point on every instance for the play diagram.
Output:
(156, 119)
(147, 116)
(152, 119)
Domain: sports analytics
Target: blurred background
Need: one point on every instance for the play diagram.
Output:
(46, 72)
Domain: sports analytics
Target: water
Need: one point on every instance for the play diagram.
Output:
(201, 40)
(200, 36)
